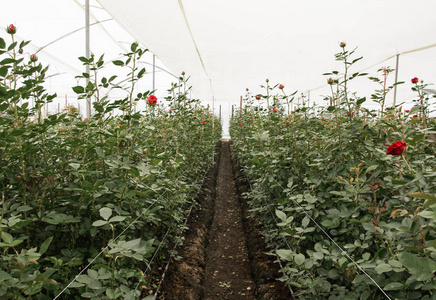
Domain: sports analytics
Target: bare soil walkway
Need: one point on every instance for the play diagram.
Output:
(228, 274)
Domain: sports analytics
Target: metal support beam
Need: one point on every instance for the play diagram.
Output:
(154, 71)
(87, 55)
(396, 79)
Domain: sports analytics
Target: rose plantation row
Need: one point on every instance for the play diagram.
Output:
(105, 196)
(346, 197)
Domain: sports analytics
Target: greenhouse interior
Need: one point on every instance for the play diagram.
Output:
(195, 150)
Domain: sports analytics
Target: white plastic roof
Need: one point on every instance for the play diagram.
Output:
(227, 45)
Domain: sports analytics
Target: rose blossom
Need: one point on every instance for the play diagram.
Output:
(11, 29)
(239, 124)
(330, 81)
(281, 86)
(203, 122)
(396, 148)
(152, 100)
(414, 80)
(415, 116)
(257, 97)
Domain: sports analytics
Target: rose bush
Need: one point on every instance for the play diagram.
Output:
(337, 170)
(111, 189)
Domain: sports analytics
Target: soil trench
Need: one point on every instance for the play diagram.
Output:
(227, 273)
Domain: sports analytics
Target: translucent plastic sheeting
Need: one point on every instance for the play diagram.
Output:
(227, 46)
(56, 31)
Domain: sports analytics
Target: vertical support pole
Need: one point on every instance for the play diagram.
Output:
(87, 54)
(154, 71)
(240, 106)
(232, 111)
(220, 112)
(213, 113)
(396, 78)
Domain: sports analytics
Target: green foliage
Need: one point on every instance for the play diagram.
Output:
(70, 188)
(333, 166)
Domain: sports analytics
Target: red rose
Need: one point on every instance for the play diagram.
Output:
(330, 81)
(121, 126)
(11, 29)
(415, 116)
(246, 89)
(342, 45)
(257, 97)
(239, 124)
(407, 111)
(274, 109)
(414, 80)
(171, 111)
(203, 122)
(152, 100)
(281, 86)
(396, 148)
(33, 57)
(287, 123)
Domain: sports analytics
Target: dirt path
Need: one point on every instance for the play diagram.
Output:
(218, 260)
(227, 274)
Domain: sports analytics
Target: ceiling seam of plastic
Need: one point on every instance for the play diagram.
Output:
(382, 61)
(195, 44)
(104, 29)
(70, 33)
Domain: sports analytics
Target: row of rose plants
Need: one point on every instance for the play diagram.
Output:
(90, 206)
(368, 181)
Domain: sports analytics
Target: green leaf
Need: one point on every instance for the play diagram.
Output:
(7, 61)
(45, 245)
(118, 63)
(281, 215)
(2, 43)
(99, 223)
(371, 168)
(393, 286)
(428, 214)
(382, 268)
(78, 89)
(411, 261)
(141, 73)
(105, 213)
(327, 223)
(299, 259)
(117, 219)
(285, 254)
(7, 237)
(3, 71)
(4, 276)
(422, 196)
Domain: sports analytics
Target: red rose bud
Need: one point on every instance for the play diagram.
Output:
(246, 89)
(274, 109)
(342, 45)
(414, 80)
(287, 123)
(152, 100)
(396, 148)
(11, 29)
(183, 73)
(239, 124)
(281, 86)
(407, 111)
(257, 97)
(203, 122)
(171, 111)
(33, 58)
(121, 126)
(415, 116)
(330, 81)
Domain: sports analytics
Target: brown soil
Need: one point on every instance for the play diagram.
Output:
(223, 256)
